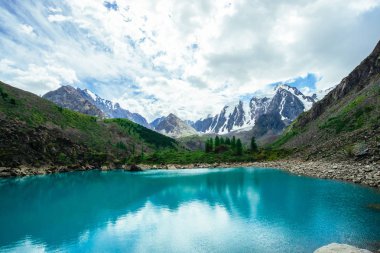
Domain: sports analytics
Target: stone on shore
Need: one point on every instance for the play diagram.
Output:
(135, 168)
(340, 248)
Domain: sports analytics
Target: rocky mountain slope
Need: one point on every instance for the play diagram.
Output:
(71, 98)
(345, 124)
(35, 132)
(157, 121)
(287, 103)
(85, 101)
(173, 126)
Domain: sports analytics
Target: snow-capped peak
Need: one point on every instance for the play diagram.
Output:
(305, 100)
(91, 94)
(286, 101)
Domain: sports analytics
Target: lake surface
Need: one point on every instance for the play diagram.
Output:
(200, 210)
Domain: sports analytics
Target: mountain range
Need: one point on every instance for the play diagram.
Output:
(260, 117)
(85, 101)
(288, 102)
(279, 110)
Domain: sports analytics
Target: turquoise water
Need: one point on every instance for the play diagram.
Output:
(200, 210)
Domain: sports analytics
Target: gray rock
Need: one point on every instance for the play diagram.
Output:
(360, 149)
(174, 127)
(340, 248)
(104, 168)
(135, 168)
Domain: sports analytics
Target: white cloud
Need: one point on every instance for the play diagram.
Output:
(157, 57)
(27, 29)
(55, 10)
(35, 78)
(58, 18)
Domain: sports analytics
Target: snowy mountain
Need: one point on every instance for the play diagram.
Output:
(87, 102)
(288, 102)
(112, 110)
(173, 126)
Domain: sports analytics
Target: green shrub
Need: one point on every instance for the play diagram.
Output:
(62, 158)
(3, 94)
(121, 145)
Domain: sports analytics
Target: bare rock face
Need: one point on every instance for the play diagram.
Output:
(340, 248)
(268, 123)
(70, 98)
(174, 127)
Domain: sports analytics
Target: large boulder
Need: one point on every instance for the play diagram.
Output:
(135, 168)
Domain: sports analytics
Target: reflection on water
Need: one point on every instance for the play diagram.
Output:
(202, 210)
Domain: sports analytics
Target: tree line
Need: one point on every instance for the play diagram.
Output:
(220, 144)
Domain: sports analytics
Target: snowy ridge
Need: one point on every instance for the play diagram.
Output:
(91, 94)
(287, 101)
(110, 109)
(306, 100)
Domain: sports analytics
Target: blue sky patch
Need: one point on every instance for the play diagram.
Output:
(111, 6)
(308, 81)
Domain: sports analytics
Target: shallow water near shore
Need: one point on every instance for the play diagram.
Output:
(197, 210)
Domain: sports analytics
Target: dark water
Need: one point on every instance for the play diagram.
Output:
(200, 210)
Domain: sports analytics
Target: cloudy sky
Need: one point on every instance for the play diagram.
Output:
(185, 57)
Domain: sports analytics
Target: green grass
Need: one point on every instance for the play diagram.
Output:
(291, 131)
(272, 154)
(351, 117)
(284, 138)
(167, 156)
(142, 133)
(199, 156)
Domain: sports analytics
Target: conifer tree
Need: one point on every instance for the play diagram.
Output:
(239, 147)
(254, 147)
(228, 141)
(221, 140)
(211, 143)
(217, 141)
(233, 142)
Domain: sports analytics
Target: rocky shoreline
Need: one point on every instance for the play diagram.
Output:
(365, 174)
